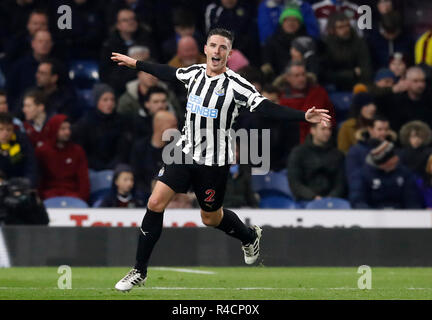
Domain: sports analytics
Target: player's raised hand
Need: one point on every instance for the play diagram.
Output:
(123, 60)
(314, 115)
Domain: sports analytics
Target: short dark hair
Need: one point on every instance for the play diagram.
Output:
(336, 16)
(6, 118)
(56, 68)
(270, 88)
(379, 117)
(37, 95)
(221, 32)
(3, 92)
(153, 90)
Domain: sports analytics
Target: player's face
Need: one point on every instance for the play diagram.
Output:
(217, 50)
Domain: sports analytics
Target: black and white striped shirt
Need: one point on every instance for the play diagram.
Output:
(212, 107)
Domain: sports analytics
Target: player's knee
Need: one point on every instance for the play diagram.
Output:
(156, 204)
(211, 219)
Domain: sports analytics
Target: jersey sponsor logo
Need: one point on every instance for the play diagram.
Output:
(194, 105)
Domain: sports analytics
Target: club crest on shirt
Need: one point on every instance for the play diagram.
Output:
(220, 92)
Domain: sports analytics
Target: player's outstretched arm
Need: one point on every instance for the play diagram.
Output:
(276, 111)
(161, 71)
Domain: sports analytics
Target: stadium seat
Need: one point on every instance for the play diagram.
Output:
(85, 98)
(65, 202)
(328, 203)
(84, 73)
(342, 102)
(100, 184)
(272, 183)
(277, 202)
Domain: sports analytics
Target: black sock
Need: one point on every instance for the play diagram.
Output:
(234, 227)
(149, 233)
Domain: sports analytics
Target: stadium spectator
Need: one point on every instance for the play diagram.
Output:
(187, 53)
(4, 108)
(102, 132)
(363, 111)
(315, 168)
(35, 117)
(269, 12)
(415, 138)
(130, 102)
(424, 182)
(325, 8)
(412, 104)
(127, 33)
(17, 157)
(386, 83)
(122, 193)
(423, 49)
(238, 17)
(277, 50)
(155, 100)
(19, 44)
(398, 65)
(146, 156)
(347, 58)
(303, 49)
(388, 38)
(59, 96)
(184, 25)
(84, 39)
(378, 129)
(301, 92)
(62, 164)
(22, 74)
(383, 183)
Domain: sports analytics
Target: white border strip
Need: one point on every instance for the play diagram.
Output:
(4, 253)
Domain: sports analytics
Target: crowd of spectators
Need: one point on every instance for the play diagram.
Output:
(297, 53)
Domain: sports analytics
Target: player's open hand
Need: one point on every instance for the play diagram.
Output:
(123, 60)
(314, 115)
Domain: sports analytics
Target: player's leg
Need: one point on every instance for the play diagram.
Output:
(209, 186)
(171, 180)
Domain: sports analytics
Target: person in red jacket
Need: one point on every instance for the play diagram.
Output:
(301, 93)
(62, 164)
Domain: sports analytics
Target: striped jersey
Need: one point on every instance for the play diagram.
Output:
(212, 106)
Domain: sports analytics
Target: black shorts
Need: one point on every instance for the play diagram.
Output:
(208, 182)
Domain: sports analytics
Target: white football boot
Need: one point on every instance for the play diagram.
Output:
(131, 279)
(251, 250)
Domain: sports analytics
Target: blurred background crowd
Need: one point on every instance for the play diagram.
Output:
(73, 124)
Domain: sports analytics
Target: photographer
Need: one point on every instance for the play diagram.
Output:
(20, 203)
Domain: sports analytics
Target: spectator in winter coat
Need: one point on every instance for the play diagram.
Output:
(415, 138)
(301, 93)
(315, 168)
(269, 12)
(347, 58)
(122, 193)
(104, 134)
(383, 183)
(17, 157)
(377, 129)
(62, 163)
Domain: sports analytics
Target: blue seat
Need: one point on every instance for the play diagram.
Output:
(65, 202)
(84, 73)
(85, 98)
(342, 103)
(328, 203)
(272, 183)
(100, 184)
(277, 202)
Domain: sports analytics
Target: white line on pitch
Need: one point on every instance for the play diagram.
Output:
(183, 270)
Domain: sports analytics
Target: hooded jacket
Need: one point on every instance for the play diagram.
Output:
(315, 170)
(63, 171)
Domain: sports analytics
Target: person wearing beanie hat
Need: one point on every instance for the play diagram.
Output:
(122, 193)
(104, 134)
(363, 110)
(384, 78)
(383, 182)
(277, 50)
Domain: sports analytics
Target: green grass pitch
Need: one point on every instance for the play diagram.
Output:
(217, 283)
